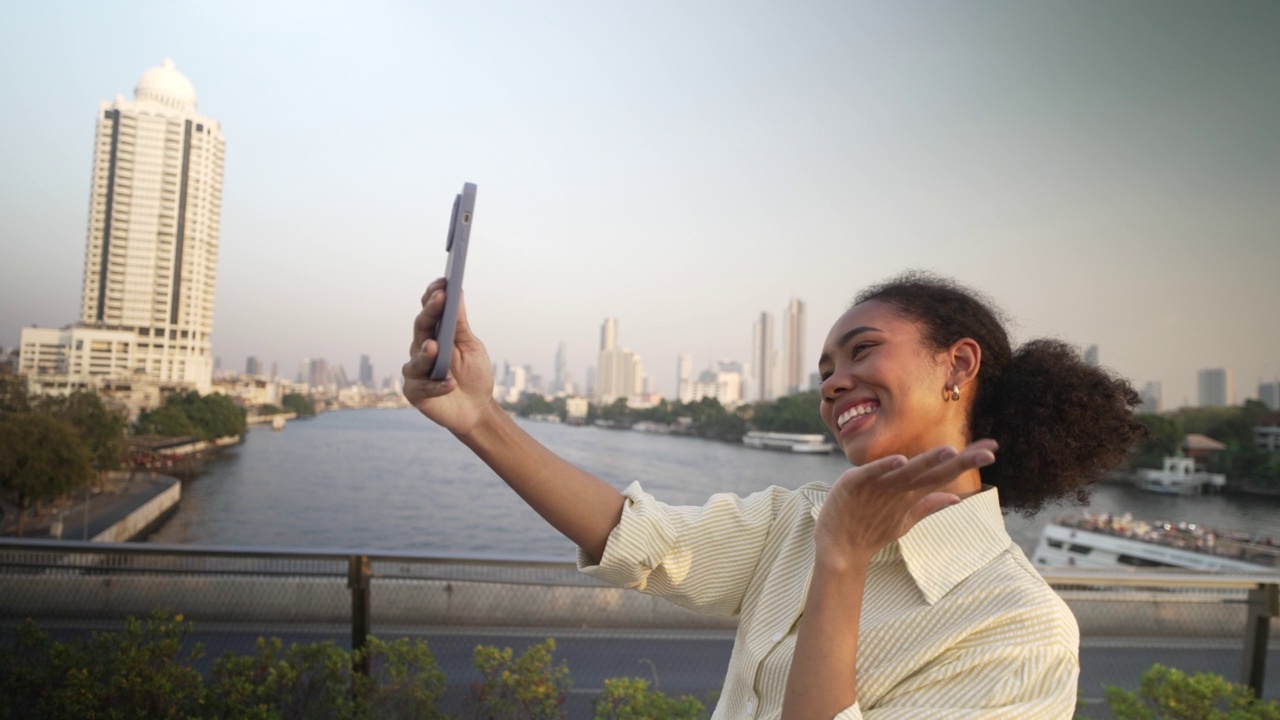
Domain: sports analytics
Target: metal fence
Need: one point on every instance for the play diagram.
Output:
(234, 595)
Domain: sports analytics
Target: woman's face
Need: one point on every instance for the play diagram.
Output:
(882, 387)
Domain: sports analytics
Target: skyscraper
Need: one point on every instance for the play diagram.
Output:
(619, 372)
(1091, 356)
(1217, 388)
(561, 382)
(152, 251)
(1152, 397)
(763, 358)
(146, 309)
(1269, 394)
(795, 346)
(366, 372)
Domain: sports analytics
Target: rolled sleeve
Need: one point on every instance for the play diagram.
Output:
(702, 558)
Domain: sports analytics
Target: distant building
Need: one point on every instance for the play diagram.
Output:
(763, 359)
(1217, 388)
(152, 248)
(684, 378)
(562, 383)
(1266, 434)
(1269, 394)
(794, 348)
(366, 372)
(1091, 356)
(619, 372)
(252, 366)
(1152, 398)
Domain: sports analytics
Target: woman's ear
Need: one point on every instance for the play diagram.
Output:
(965, 357)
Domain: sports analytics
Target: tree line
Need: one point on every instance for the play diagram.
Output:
(1232, 426)
(705, 418)
(53, 445)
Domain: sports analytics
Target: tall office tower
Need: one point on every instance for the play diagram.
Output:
(619, 372)
(561, 383)
(1269, 394)
(275, 370)
(1217, 388)
(795, 347)
(609, 334)
(1152, 398)
(152, 251)
(762, 358)
(318, 374)
(252, 366)
(366, 372)
(1091, 356)
(684, 378)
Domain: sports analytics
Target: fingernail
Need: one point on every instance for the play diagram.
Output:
(946, 453)
(897, 462)
(984, 458)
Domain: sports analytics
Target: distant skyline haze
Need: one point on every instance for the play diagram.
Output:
(1106, 172)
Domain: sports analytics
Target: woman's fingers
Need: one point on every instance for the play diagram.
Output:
(424, 324)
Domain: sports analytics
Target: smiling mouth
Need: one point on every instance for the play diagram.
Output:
(855, 412)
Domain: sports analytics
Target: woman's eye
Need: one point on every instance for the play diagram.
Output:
(860, 348)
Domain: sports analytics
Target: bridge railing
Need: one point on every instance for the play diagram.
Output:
(397, 592)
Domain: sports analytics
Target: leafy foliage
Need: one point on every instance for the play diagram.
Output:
(791, 414)
(530, 687)
(631, 699)
(100, 424)
(300, 404)
(1170, 694)
(190, 414)
(41, 457)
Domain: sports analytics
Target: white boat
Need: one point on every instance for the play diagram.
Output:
(1178, 477)
(1122, 541)
(788, 442)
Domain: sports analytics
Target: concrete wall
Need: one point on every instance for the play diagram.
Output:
(287, 600)
(138, 520)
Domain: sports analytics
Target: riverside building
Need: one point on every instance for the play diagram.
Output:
(151, 253)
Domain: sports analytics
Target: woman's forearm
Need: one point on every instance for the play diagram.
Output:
(580, 505)
(823, 681)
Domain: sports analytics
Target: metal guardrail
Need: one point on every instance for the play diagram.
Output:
(1257, 594)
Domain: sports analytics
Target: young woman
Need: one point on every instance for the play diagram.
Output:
(894, 592)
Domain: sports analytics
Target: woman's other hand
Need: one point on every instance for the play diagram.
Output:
(461, 400)
(873, 505)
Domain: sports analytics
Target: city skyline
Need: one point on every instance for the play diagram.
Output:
(1120, 196)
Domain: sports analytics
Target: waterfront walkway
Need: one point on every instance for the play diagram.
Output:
(89, 513)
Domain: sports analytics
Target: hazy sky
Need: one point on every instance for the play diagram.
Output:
(1108, 172)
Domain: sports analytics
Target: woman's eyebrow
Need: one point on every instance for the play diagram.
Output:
(844, 340)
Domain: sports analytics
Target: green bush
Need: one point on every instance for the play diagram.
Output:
(526, 688)
(1170, 694)
(631, 699)
(141, 671)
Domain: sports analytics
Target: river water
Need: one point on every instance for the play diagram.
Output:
(392, 480)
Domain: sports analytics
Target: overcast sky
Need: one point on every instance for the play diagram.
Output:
(1108, 172)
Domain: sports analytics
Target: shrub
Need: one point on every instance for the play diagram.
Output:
(631, 699)
(1170, 694)
(528, 687)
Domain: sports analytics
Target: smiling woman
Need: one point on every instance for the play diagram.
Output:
(894, 592)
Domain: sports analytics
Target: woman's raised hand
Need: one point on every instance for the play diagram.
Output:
(460, 401)
(874, 504)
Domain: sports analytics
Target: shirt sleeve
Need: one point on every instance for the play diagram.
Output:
(1014, 683)
(701, 558)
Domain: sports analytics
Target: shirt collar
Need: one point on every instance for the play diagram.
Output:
(949, 545)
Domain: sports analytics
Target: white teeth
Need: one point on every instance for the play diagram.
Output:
(855, 411)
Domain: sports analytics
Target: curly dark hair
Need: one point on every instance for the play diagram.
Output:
(1060, 422)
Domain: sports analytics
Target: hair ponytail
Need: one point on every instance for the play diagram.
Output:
(1061, 423)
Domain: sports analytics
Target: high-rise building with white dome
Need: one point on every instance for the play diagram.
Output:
(152, 247)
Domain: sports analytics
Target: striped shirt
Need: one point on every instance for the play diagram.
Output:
(956, 623)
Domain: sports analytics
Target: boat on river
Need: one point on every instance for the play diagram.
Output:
(788, 442)
(1114, 541)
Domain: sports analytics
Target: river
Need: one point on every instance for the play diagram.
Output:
(391, 480)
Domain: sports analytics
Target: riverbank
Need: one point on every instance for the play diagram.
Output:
(128, 506)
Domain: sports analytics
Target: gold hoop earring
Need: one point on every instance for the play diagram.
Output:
(955, 392)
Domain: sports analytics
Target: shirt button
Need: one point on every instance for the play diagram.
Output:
(777, 637)
(751, 707)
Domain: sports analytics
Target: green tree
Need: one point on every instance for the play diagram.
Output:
(521, 688)
(1164, 438)
(631, 699)
(101, 426)
(167, 420)
(206, 417)
(534, 404)
(13, 394)
(300, 404)
(41, 457)
(791, 414)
